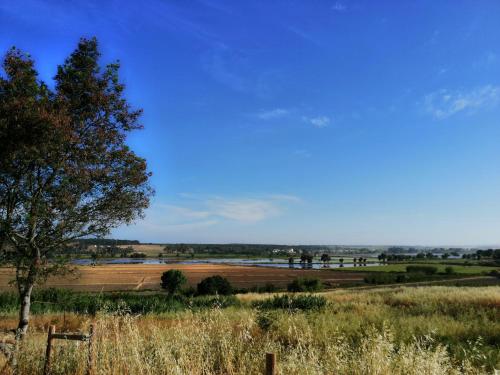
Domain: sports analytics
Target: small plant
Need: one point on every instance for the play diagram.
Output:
(172, 281)
(265, 320)
(215, 285)
(305, 284)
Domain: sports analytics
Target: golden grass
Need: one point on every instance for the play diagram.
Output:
(424, 330)
(213, 343)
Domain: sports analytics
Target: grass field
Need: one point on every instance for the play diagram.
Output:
(147, 277)
(425, 330)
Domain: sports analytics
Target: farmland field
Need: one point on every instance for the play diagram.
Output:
(146, 277)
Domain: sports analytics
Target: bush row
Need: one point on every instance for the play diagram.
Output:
(58, 300)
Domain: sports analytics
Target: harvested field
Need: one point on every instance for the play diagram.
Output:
(146, 277)
(149, 250)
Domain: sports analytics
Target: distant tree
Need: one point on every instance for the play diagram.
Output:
(325, 258)
(291, 260)
(65, 169)
(172, 281)
(305, 257)
(94, 256)
(445, 256)
(215, 285)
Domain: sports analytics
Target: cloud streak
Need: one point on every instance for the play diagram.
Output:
(211, 210)
(444, 103)
(318, 121)
(273, 114)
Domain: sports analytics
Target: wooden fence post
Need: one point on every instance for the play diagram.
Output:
(270, 364)
(46, 369)
(90, 362)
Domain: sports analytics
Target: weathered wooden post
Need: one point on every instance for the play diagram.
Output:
(46, 369)
(90, 362)
(270, 364)
(52, 335)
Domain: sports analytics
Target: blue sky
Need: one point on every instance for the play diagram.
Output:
(332, 122)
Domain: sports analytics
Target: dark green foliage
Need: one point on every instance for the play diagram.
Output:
(66, 171)
(428, 270)
(215, 285)
(495, 273)
(218, 301)
(305, 284)
(380, 278)
(394, 278)
(173, 280)
(449, 270)
(59, 300)
(138, 255)
(265, 320)
(266, 288)
(292, 302)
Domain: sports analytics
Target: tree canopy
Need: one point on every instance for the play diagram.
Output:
(66, 171)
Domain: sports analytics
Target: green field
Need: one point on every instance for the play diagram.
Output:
(401, 267)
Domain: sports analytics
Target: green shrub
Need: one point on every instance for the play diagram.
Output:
(393, 278)
(305, 284)
(215, 285)
(173, 280)
(291, 302)
(495, 273)
(59, 300)
(449, 270)
(381, 278)
(428, 270)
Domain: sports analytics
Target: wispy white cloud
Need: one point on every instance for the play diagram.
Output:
(236, 69)
(273, 114)
(303, 35)
(285, 197)
(186, 212)
(302, 153)
(339, 7)
(318, 121)
(444, 103)
(205, 211)
(243, 210)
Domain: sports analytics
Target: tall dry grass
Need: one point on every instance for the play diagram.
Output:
(215, 343)
(402, 331)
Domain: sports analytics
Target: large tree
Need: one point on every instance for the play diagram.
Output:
(65, 169)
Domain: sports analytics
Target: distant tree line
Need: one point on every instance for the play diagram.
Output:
(480, 254)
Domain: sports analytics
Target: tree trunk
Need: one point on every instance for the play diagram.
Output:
(24, 312)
